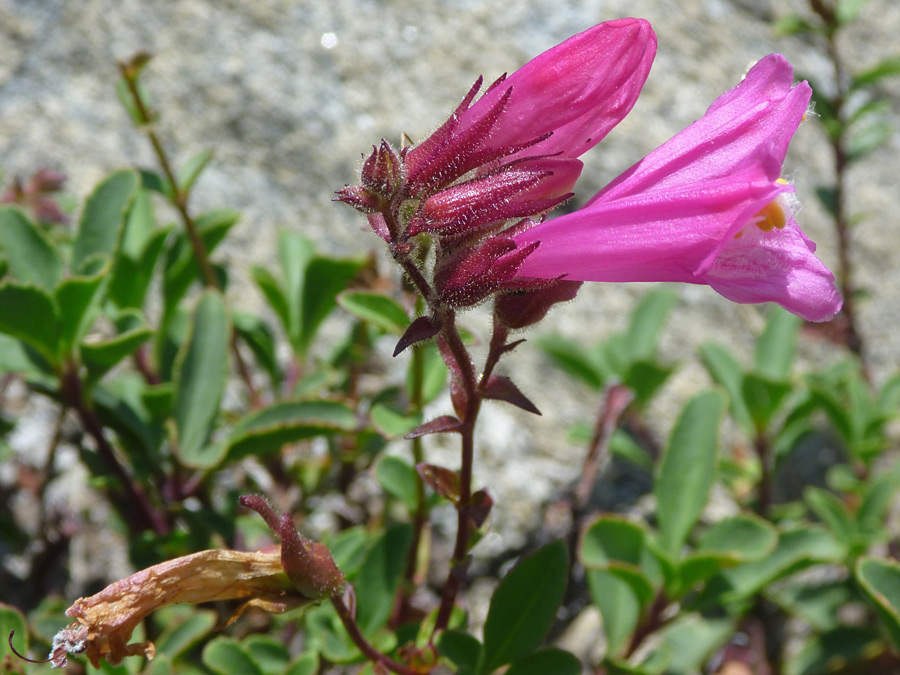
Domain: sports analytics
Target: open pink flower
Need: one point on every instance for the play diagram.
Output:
(707, 207)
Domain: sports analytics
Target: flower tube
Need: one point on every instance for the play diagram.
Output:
(707, 207)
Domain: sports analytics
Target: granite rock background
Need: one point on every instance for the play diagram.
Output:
(290, 93)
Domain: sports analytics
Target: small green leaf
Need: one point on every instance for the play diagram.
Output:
(462, 649)
(99, 357)
(571, 359)
(880, 579)
(775, 347)
(692, 640)
(792, 24)
(376, 308)
(645, 378)
(224, 656)
(827, 198)
(30, 315)
(192, 169)
(647, 322)
(864, 139)
(726, 371)
(886, 68)
(200, 375)
(618, 605)
(30, 255)
(880, 494)
(269, 654)
(392, 424)
(305, 664)
(348, 548)
(255, 333)
(379, 577)
(11, 619)
(545, 661)
(267, 430)
(742, 538)
(831, 511)
(524, 606)
(78, 299)
(181, 634)
(398, 479)
(274, 294)
(687, 469)
(103, 218)
(819, 604)
(324, 279)
(614, 541)
(763, 398)
(15, 356)
(847, 10)
(131, 277)
(849, 647)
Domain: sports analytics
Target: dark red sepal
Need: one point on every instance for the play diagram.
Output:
(501, 388)
(423, 328)
(440, 425)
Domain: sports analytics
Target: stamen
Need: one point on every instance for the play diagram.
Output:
(771, 216)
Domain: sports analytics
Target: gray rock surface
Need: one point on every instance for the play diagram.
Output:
(290, 93)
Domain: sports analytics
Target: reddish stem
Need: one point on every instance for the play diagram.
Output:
(368, 650)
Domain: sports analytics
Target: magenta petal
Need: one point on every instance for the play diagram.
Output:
(776, 266)
(579, 90)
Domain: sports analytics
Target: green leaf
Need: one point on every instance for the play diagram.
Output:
(103, 218)
(691, 641)
(647, 322)
(645, 378)
(613, 542)
(847, 647)
(305, 664)
(885, 68)
(139, 225)
(267, 430)
(864, 139)
(269, 654)
(880, 580)
(796, 549)
(876, 501)
(348, 548)
(224, 656)
(571, 359)
(545, 661)
(763, 398)
(78, 299)
(828, 198)
(324, 279)
(742, 538)
(524, 606)
(623, 445)
(192, 169)
(729, 542)
(831, 511)
(392, 424)
(687, 469)
(379, 577)
(100, 357)
(180, 634)
(30, 255)
(377, 309)
(181, 268)
(131, 277)
(15, 357)
(775, 348)
(792, 24)
(618, 605)
(461, 648)
(847, 10)
(295, 252)
(726, 371)
(29, 314)
(274, 294)
(200, 375)
(819, 605)
(12, 619)
(398, 479)
(255, 333)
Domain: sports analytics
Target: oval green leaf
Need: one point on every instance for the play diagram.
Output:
(880, 579)
(103, 217)
(688, 467)
(267, 430)
(30, 255)
(377, 309)
(30, 315)
(524, 606)
(200, 375)
(546, 661)
(619, 607)
(225, 657)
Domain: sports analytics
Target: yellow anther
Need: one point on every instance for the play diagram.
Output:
(770, 217)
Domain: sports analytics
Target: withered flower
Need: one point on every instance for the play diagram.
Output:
(276, 579)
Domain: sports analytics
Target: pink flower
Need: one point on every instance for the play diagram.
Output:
(707, 207)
